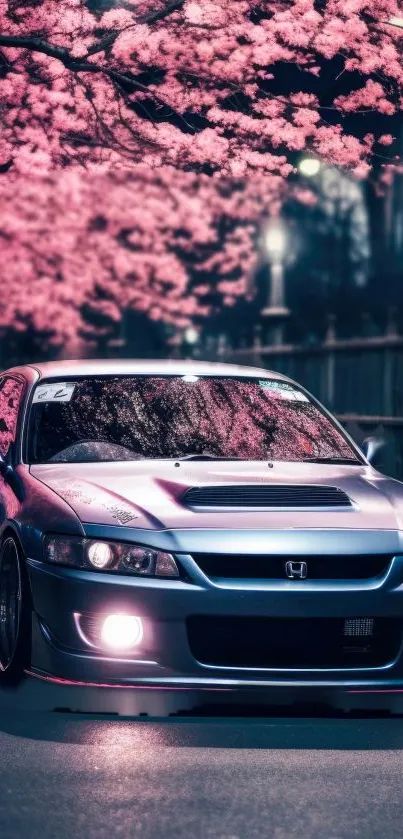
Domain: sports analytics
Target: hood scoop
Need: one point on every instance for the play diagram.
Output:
(280, 496)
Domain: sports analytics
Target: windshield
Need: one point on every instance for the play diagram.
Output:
(133, 417)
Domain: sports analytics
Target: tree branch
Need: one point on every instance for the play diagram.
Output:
(171, 7)
(81, 65)
(34, 44)
(77, 65)
(153, 17)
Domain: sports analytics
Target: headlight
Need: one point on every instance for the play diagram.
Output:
(119, 557)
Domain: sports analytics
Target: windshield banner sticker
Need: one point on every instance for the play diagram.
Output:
(55, 392)
(282, 390)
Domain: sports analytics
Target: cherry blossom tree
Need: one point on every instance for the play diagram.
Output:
(79, 248)
(227, 87)
(143, 143)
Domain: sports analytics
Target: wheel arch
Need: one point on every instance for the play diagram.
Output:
(10, 528)
(13, 672)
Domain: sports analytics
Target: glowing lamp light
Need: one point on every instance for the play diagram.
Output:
(191, 335)
(275, 241)
(190, 378)
(120, 632)
(309, 166)
(100, 554)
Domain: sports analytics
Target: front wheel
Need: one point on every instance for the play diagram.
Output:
(14, 614)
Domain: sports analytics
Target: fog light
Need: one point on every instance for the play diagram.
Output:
(120, 632)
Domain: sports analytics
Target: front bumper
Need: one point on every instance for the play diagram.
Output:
(165, 659)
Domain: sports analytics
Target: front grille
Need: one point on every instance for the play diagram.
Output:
(263, 567)
(266, 496)
(293, 643)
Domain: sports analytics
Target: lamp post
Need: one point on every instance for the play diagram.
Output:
(275, 312)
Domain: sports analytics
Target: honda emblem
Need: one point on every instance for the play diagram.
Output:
(296, 570)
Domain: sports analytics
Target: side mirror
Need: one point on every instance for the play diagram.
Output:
(11, 478)
(371, 448)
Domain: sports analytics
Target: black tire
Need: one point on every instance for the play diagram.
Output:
(15, 614)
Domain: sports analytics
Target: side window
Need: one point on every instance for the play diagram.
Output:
(10, 399)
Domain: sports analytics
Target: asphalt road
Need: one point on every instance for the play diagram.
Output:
(69, 775)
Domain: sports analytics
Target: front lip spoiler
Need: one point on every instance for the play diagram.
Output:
(222, 685)
(143, 684)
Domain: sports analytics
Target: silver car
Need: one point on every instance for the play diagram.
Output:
(193, 526)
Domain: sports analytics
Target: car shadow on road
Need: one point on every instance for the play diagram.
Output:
(38, 711)
(279, 730)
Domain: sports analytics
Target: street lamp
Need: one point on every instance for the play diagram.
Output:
(275, 242)
(275, 311)
(190, 340)
(191, 335)
(309, 166)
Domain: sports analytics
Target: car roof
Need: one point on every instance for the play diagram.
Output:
(117, 367)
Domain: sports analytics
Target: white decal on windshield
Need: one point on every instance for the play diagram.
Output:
(59, 392)
(282, 390)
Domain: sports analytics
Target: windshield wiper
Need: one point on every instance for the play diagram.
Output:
(204, 456)
(341, 460)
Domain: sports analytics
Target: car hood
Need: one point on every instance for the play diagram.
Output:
(148, 494)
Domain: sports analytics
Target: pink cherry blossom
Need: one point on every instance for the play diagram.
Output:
(187, 84)
(386, 139)
(170, 244)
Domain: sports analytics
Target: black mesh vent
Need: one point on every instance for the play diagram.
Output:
(257, 495)
(245, 567)
(295, 643)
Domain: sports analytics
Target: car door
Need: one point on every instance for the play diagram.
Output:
(11, 397)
